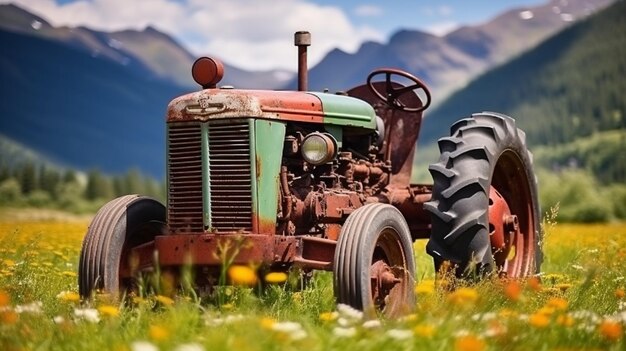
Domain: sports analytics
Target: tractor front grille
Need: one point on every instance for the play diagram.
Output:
(230, 176)
(185, 178)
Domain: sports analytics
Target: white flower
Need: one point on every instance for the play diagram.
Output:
(372, 324)
(214, 322)
(349, 312)
(344, 332)
(618, 279)
(88, 314)
(33, 307)
(58, 319)
(189, 347)
(586, 315)
(579, 267)
(462, 332)
(143, 346)
(399, 334)
(621, 306)
(293, 329)
(484, 316)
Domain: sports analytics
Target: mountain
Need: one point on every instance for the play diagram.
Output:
(447, 63)
(570, 86)
(148, 52)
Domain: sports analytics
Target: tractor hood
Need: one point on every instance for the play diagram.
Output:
(210, 104)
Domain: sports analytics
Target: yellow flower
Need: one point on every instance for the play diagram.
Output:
(68, 296)
(424, 330)
(610, 330)
(507, 313)
(69, 274)
(164, 300)
(9, 262)
(108, 310)
(469, 343)
(159, 333)
(463, 296)
(557, 303)
(267, 323)
(276, 277)
(4, 299)
(565, 320)
(425, 287)
(242, 275)
(539, 320)
(328, 316)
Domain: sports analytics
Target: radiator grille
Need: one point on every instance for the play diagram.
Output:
(230, 174)
(185, 178)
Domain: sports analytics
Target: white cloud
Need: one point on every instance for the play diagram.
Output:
(368, 10)
(246, 33)
(442, 28)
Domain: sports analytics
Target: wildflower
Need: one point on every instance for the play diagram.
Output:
(164, 300)
(484, 316)
(469, 343)
(399, 334)
(68, 296)
(69, 274)
(276, 277)
(495, 329)
(349, 312)
(578, 267)
(158, 333)
(242, 275)
(344, 332)
(329, 316)
(534, 284)
(424, 330)
(557, 303)
(565, 320)
(4, 299)
(267, 323)
(463, 296)
(507, 313)
(563, 286)
(33, 307)
(8, 317)
(372, 324)
(610, 330)
(143, 346)
(425, 287)
(619, 293)
(58, 319)
(292, 329)
(189, 347)
(513, 290)
(88, 314)
(109, 311)
(408, 318)
(539, 320)
(9, 262)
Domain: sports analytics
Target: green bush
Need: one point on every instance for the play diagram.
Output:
(10, 192)
(39, 198)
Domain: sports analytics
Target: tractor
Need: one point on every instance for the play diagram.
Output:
(280, 180)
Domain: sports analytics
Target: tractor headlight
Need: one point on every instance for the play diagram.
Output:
(318, 148)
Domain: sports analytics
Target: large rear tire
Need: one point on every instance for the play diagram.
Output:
(485, 210)
(120, 225)
(374, 267)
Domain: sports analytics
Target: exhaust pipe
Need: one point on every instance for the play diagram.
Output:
(302, 40)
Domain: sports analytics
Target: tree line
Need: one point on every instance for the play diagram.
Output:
(29, 184)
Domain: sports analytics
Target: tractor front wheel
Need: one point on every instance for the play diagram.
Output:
(374, 267)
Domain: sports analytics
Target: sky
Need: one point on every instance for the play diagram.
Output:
(258, 35)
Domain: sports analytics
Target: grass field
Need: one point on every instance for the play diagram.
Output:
(578, 303)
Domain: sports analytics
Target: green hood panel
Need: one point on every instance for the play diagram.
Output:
(346, 111)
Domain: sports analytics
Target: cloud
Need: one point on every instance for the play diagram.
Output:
(246, 33)
(368, 11)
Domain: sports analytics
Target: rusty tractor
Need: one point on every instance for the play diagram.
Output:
(322, 181)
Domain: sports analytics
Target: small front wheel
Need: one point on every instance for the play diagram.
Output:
(374, 267)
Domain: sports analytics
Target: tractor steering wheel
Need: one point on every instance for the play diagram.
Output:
(392, 94)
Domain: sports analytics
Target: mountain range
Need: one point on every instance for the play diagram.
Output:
(86, 98)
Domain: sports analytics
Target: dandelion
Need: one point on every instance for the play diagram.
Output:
(109, 311)
(189, 347)
(424, 330)
(469, 343)
(399, 334)
(87, 314)
(68, 296)
(158, 333)
(539, 320)
(610, 330)
(143, 346)
(463, 296)
(276, 277)
(425, 287)
(344, 332)
(164, 300)
(513, 290)
(242, 275)
(329, 316)
(267, 323)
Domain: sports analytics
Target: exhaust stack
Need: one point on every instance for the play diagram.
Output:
(302, 39)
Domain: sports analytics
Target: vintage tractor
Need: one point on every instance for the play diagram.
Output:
(320, 181)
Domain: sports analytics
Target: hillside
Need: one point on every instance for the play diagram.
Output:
(447, 63)
(570, 86)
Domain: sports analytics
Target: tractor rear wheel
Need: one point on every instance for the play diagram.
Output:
(374, 267)
(120, 225)
(484, 207)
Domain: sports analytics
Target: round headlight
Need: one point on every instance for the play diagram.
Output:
(318, 148)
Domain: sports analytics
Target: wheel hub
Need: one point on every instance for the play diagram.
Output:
(503, 228)
(383, 280)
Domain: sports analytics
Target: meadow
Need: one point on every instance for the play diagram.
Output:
(577, 303)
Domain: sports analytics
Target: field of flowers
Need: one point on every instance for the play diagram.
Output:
(577, 303)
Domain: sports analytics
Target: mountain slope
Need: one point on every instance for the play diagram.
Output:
(447, 63)
(570, 86)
